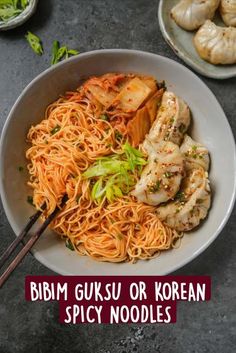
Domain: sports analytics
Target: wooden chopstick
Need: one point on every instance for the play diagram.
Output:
(7, 253)
(32, 240)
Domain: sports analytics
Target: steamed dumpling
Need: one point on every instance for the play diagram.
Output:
(191, 14)
(194, 153)
(191, 204)
(228, 12)
(161, 178)
(172, 120)
(215, 44)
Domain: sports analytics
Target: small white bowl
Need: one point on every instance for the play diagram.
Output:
(210, 127)
(21, 18)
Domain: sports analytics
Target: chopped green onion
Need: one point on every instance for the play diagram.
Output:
(55, 130)
(35, 43)
(97, 190)
(30, 200)
(118, 135)
(55, 48)
(104, 117)
(72, 52)
(155, 187)
(106, 167)
(59, 53)
(113, 176)
(11, 8)
(69, 245)
(180, 196)
(168, 174)
(20, 168)
(24, 3)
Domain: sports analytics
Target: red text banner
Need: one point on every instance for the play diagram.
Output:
(112, 299)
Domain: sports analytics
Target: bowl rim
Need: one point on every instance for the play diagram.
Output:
(86, 55)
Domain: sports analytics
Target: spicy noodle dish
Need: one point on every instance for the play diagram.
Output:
(118, 147)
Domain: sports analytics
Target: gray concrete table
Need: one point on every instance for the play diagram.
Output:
(33, 327)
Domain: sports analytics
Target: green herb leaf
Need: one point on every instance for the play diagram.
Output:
(55, 130)
(69, 245)
(155, 187)
(35, 43)
(104, 117)
(20, 168)
(180, 196)
(30, 200)
(118, 135)
(168, 174)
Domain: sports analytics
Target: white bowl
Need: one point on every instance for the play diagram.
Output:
(21, 18)
(210, 127)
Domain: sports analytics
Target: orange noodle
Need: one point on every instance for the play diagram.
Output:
(64, 145)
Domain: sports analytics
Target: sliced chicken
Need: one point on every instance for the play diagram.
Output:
(195, 154)
(172, 120)
(161, 178)
(191, 203)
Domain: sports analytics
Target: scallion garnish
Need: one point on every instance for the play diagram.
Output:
(118, 135)
(35, 42)
(55, 130)
(104, 117)
(114, 175)
(69, 245)
(60, 53)
(30, 200)
(11, 8)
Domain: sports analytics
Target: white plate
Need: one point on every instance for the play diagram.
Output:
(210, 127)
(181, 42)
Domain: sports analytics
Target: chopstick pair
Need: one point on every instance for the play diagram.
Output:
(31, 241)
